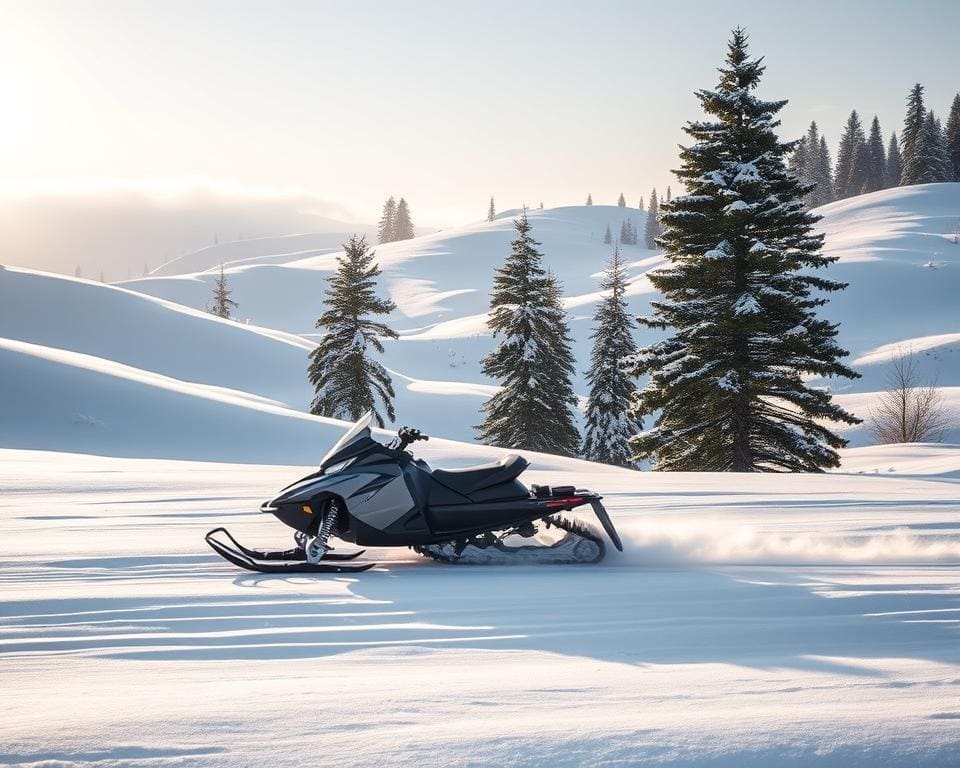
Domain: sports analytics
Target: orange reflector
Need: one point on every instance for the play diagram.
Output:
(307, 510)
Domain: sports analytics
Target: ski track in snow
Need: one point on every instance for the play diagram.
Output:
(125, 642)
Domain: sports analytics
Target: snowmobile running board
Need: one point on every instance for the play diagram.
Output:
(278, 562)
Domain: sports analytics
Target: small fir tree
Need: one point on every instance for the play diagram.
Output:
(532, 360)
(589, 199)
(622, 201)
(347, 380)
(609, 421)
(608, 236)
(851, 171)
(491, 211)
(893, 170)
(877, 158)
(739, 296)
(387, 228)
(913, 150)
(952, 138)
(640, 205)
(221, 297)
(653, 222)
(404, 224)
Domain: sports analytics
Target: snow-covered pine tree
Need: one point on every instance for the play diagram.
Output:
(347, 380)
(640, 205)
(801, 160)
(893, 169)
(952, 137)
(653, 222)
(851, 171)
(610, 423)
(221, 297)
(624, 233)
(877, 157)
(533, 360)
(589, 199)
(622, 201)
(740, 297)
(387, 228)
(631, 232)
(913, 152)
(823, 177)
(404, 224)
(937, 141)
(607, 236)
(491, 211)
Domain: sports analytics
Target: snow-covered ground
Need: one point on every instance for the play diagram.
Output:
(751, 622)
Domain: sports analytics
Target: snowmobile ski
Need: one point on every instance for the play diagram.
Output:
(246, 562)
(295, 554)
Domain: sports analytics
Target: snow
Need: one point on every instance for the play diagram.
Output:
(752, 621)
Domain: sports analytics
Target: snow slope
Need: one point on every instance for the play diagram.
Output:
(894, 247)
(752, 622)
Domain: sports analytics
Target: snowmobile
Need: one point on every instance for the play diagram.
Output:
(370, 494)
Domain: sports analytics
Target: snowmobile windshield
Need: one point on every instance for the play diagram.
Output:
(343, 448)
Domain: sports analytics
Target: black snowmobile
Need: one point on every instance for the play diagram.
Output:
(379, 495)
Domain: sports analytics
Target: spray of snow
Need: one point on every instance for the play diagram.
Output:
(707, 542)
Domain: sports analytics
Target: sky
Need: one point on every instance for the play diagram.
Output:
(445, 103)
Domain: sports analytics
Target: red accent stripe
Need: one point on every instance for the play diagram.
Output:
(563, 502)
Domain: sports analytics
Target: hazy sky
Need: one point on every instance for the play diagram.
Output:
(443, 102)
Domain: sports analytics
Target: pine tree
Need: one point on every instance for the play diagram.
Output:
(893, 170)
(913, 160)
(816, 169)
(940, 167)
(851, 172)
(608, 236)
(404, 224)
(877, 158)
(952, 138)
(640, 206)
(668, 193)
(491, 211)
(624, 233)
(347, 381)
(653, 222)
(800, 160)
(622, 201)
(386, 230)
(589, 199)
(739, 296)
(533, 358)
(76, 272)
(610, 424)
(221, 297)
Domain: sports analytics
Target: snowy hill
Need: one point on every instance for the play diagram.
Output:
(894, 246)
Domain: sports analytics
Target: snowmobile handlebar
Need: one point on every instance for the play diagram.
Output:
(408, 435)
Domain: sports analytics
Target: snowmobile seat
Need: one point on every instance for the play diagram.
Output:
(472, 479)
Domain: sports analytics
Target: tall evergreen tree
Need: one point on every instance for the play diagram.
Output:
(610, 424)
(640, 206)
(622, 201)
(491, 211)
(941, 169)
(653, 222)
(952, 138)
(347, 380)
(404, 224)
(822, 177)
(877, 158)
(913, 160)
(740, 297)
(801, 160)
(221, 297)
(852, 159)
(589, 199)
(387, 228)
(532, 360)
(608, 236)
(893, 169)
